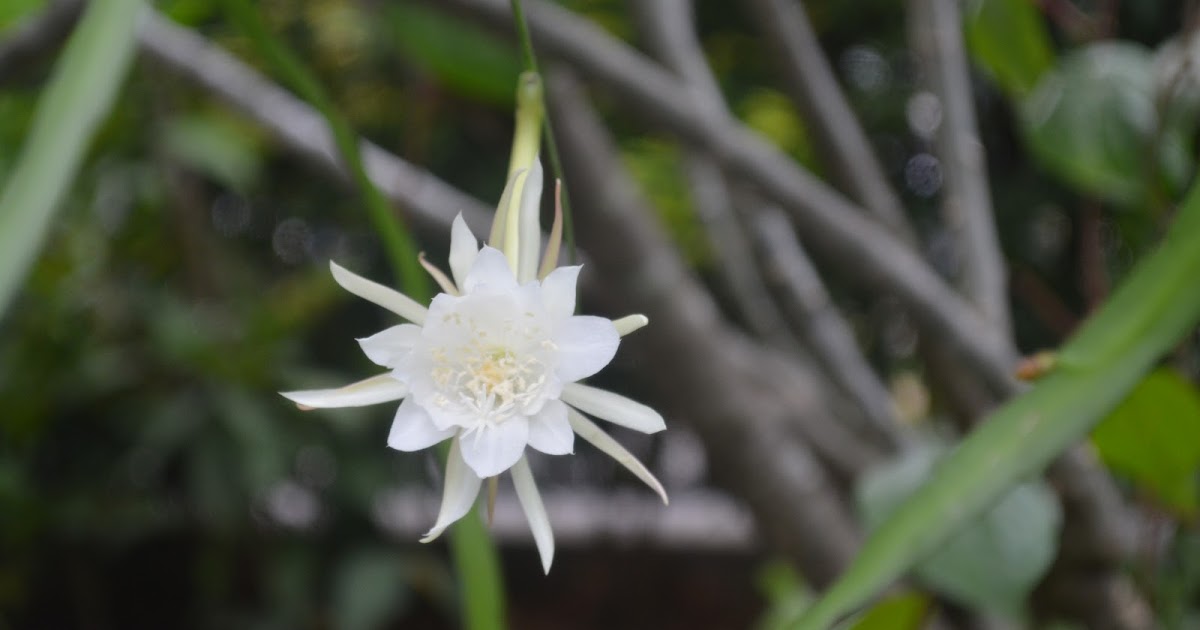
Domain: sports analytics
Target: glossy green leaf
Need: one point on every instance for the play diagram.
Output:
(1093, 120)
(79, 96)
(1154, 438)
(1010, 40)
(1156, 305)
(996, 560)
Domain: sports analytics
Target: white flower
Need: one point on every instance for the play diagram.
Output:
(493, 365)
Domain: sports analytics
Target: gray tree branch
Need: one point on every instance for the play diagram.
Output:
(429, 201)
(670, 34)
(834, 227)
(712, 375)
(966, 199)
(814, 87)
(667, 32)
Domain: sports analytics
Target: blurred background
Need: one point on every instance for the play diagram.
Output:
(150, 477)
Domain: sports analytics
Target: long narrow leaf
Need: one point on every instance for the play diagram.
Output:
(80, 94)
(1156, 305)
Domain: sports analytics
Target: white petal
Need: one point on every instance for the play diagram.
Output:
(462, 486)
(413, 429)
(603, 441)
(387, 347)
(558, 291)
(615, 408)
(549, 431)
(490, 271)
(490, 451)
(630, 323)
(585, 345)
(388, 298)
(529, 224)
(463, 250)
(371, 391)
(447, 285)
(535, 512)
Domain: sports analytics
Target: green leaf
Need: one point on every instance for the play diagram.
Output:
(1011, 41)
(1094, 120)
(79, 96)
(1154, 438)
(1156, 305)
(215, 146)
(786, 594)
(13, 11)
(994, 562)
(466, 59)
(901, 612)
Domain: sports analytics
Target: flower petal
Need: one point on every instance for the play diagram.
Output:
(630, 323)
(490, 272)
(613, 407)
(371, 291)
(549, 431)
(491, 450)
(558, 291)
(387, 347)
(413, 429)
(535, 511)
(529, 227)
(463, 250)
(439, 276)
(603, 441)
(585, 345)
(371, 391)
(462, 486)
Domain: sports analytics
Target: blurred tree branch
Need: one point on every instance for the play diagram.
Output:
(669, 32)
(840, 138)
(966, 199)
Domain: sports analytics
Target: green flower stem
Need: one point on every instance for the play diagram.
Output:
(398, 243)
(1156, 305)
(531, 65)
(475, 558)
(81, 93)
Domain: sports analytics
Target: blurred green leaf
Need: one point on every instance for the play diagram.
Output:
(215, 146)
(1156, 305)
(464, 58)
(1154, 438)
(79, 96)
(786, 594)
(13, 11)
(368, 587)
(655, 165)
(1094, 122)
(992, 563)
(906, 611)
(1010, 40)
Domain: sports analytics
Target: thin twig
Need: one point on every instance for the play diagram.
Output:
(820, 325)
(966, 198)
